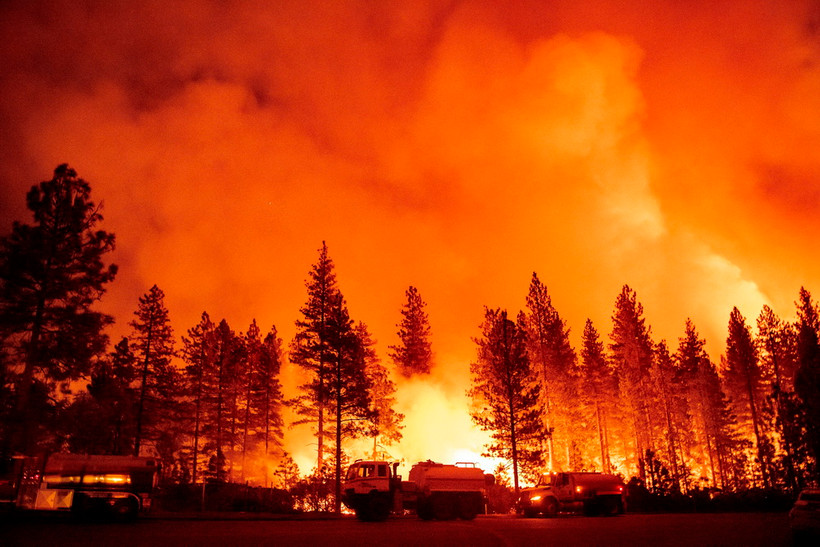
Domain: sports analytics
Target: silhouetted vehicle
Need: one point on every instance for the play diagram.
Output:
(374, 490)
(118, 486)
(804, 517)
(592, 493)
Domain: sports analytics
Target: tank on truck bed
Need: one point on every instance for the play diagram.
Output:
(448, 491)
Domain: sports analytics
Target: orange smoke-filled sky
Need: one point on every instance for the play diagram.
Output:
(454, 146)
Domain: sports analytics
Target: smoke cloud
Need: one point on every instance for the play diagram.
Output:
(454, 146)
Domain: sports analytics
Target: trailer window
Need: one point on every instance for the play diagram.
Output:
(382, 470)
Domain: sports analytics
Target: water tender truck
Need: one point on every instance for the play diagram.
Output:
(592, 493)
(374, 490)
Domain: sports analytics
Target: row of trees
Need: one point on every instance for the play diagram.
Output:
(210, 403)
(674, 420)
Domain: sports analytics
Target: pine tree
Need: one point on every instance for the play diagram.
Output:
(598, 388)
(672, 396)
(631, 351)
(159, 381)
(310, 347)
(414, 354)
(746, 384)
(198, 352)
(777, 341)
(112, 387)
(384, 423)
(711, 420)
(51, 274)
(261, 398)
(348, 387)
(219, 386)
(250, 357)
(807, 379)
(101, 420)
(504, 393)
(267, 391)
(555, 361)
(327, 348)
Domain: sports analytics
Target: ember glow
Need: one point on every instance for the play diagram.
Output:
(453, 146)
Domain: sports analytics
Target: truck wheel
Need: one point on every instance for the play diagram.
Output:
(444, 508)
(551, 507)
(611, 508)
(424, 510)
(363, 514)
(590, 509)
(125, 510)
(467, 509)
(379, 508)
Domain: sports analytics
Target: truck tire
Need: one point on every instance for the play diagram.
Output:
(125, 510)
(592, 508)
(424, 509)
(379, 508)
(611, 507)
(444, 507)
(363, 512)
(551, 507)
(467, 507)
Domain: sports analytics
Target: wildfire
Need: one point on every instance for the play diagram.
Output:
(456, 147)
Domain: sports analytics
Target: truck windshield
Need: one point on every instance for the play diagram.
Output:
(362, 471)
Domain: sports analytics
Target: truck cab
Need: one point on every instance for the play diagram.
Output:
(364, 477)
(370, 489)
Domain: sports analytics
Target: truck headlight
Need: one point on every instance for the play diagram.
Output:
(535, 498)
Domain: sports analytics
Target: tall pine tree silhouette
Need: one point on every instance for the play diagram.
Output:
(504, 393)
(413, 355)
(311, 347)
(153, 344)
(51, 274)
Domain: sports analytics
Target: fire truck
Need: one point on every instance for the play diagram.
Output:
(592, 493)
(118, 486)
(374, 490)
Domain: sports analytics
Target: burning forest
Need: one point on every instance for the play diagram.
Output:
(542, 238)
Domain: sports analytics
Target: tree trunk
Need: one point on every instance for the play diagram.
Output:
(143, 390)
(337, 502)
(601, 437)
